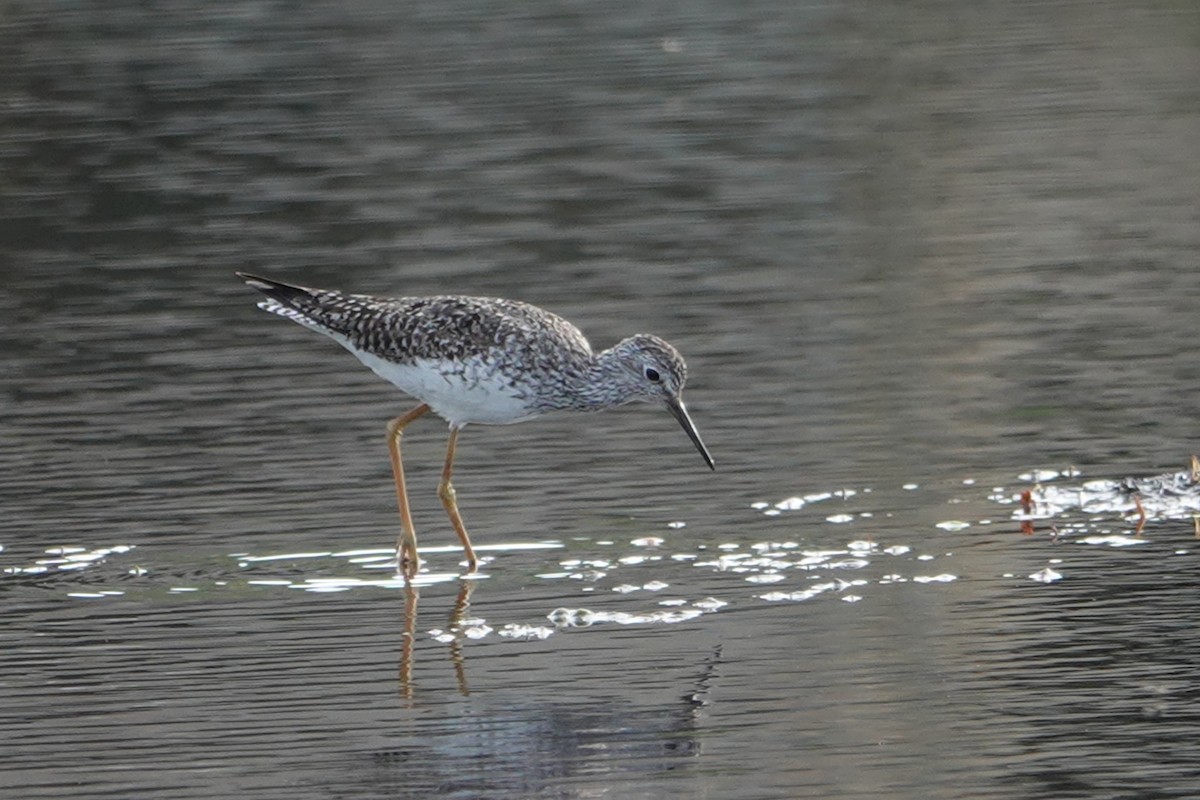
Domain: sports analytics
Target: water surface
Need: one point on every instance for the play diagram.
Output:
(920, 260)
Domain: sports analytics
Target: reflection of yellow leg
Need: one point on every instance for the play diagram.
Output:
(406, 545)
(461, 604)
(408, 638)
(454, 625)
(446, 492)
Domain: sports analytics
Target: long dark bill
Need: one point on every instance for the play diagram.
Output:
(679, 411)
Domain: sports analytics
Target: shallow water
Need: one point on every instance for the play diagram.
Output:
(920, 262)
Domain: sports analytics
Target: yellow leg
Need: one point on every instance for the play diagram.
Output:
(446, 492)
(406, 545)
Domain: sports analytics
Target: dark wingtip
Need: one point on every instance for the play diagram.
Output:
(285, 293)
(258, 282)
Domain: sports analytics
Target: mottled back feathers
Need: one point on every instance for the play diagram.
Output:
(403, 329)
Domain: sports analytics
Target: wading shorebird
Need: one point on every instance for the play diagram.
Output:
(480, 360)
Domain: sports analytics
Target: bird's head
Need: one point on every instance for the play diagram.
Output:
(649, 369)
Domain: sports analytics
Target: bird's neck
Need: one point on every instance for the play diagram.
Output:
(598, 384)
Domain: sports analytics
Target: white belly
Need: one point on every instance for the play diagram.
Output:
(476, 395)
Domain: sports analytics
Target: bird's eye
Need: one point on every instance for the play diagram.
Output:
(652, 374)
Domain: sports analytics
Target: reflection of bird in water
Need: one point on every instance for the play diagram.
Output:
(481, 360)
(461, 603)
(699, 699)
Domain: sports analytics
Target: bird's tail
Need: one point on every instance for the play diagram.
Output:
(323, 310)
(279, 292)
